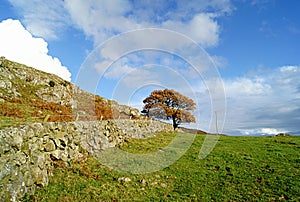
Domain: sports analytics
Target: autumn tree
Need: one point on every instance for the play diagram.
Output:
(169, 105)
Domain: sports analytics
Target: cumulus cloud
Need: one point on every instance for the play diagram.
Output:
(270, 100)
(42, 18)
(247, 86)
(144, 68)
(19, 45)
(118, 72)
(102, 19)
(266, 103)
(202, 28)
(261, 131)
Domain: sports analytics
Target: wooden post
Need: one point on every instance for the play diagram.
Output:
(217, 122)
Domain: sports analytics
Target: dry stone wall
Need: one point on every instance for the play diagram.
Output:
(27, 151)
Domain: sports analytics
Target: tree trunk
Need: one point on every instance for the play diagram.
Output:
(175, 125)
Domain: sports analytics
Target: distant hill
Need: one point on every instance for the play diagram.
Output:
(192, 131)
(30, 95)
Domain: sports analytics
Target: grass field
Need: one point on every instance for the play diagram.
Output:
(238, 169)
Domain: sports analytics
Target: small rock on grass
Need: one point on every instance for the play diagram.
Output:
(153, 183)
(163, 185)
(124, 179)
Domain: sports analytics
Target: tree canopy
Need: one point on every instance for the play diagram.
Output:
(169, 105)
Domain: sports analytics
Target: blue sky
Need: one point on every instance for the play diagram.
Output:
(251, 45)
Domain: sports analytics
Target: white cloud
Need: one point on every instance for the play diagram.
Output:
(247, 86)
(42, 18)
(261, 131)
(292, 69)
(269, 131)
(267, 103)
(101, 19)
(202, 28)
(117, 72)
(270, 100)
(19, 45)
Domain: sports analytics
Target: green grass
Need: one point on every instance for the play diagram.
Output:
(238, 169)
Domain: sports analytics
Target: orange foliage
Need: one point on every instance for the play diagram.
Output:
(170, 105)
(11, 110)
(93, 108)
(57, 112)
(88, 108)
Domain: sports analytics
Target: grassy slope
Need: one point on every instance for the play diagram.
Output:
(29, 107)
(238, 169)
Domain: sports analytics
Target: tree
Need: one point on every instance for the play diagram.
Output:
(169, 105)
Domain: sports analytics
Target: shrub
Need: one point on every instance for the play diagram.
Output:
(51, 83)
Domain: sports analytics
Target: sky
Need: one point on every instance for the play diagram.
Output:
(238, 59)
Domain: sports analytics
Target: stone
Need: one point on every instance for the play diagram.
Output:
(64, 155)
(60, 154)
(163, 185)
(73, 152)
(38, 159)
(4, 147)
(135, 113)
(29, 133)
(32, 147)
(153, 183)
(124, 179)
(40, 176)
(28, 178)
(40, 143)
(25, 150)
(50, 146)
(20, 158)
(5, 84)
(17, 141)
(63, 141)
(5, 170)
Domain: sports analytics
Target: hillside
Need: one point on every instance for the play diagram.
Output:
(30, 95)
(238, 169)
